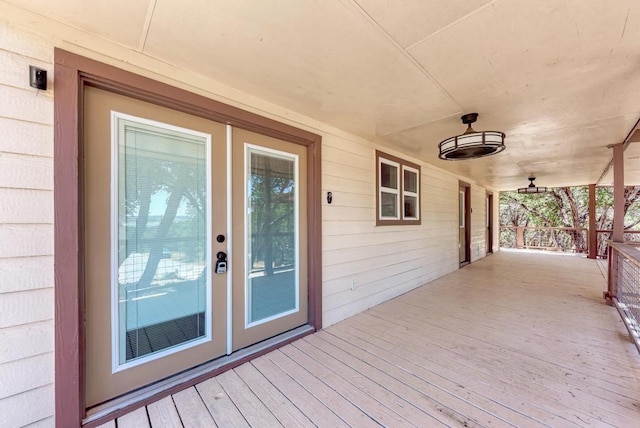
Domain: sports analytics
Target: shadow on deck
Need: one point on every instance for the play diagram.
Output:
(516, 339)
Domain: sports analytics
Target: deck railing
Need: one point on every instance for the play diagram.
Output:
(624, 285)
(565, 239)
(605, 235)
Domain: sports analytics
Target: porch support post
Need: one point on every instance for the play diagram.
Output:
(618, 219)
(593, 235)
(519, 237)
(618, 193)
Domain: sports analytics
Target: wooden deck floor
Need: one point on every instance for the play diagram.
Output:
(512, 340)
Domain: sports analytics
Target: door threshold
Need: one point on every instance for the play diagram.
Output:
(463, 264)
(148, 394)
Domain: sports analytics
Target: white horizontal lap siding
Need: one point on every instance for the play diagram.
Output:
(26, 232)
(384, 261)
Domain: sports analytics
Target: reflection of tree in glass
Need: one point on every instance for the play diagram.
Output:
(148, 181)
(271, 189)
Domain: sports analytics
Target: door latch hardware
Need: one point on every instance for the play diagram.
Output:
(221, 263)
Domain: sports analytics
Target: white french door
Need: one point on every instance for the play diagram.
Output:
(194, 241)
(269, 262)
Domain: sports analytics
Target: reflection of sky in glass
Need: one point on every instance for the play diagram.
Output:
(159, 205)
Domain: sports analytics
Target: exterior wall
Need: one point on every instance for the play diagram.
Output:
(26, 233)
(363, 265)
(383, 261)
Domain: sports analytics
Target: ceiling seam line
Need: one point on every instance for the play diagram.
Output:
(449, 25)
(571, 127)
(404, 52)
(147, 25)
(418, 125)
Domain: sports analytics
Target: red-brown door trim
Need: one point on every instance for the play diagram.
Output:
(71, 75)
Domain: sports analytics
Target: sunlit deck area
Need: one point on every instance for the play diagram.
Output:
(516, 339)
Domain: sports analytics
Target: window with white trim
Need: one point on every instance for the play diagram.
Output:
(397, 191)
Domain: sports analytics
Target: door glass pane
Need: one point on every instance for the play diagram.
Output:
(162, 228)
(272, 239)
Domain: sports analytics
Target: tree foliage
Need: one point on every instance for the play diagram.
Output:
(565, 207)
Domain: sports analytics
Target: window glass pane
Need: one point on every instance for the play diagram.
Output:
(161, 245)
(389, 205)
(410, 207)
(388, 176)
(272, 237)
(410, 181)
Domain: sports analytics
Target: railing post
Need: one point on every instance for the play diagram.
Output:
(519, 237)
(613, 275)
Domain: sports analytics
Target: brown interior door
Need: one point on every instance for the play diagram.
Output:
(154, 189)
(489, 238)
(462, 243)
(464, 210)
(269, 256)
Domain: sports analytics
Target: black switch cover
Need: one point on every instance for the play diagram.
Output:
(38, 78)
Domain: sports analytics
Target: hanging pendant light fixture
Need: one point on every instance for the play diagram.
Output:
(471, 144)
(532, 188)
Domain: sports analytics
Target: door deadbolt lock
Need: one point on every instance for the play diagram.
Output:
(221, 263)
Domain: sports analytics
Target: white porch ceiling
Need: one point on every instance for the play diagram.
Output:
(561, 78)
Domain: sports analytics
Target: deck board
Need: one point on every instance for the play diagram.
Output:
(431, 397)
(376, 410)
(220, 405)
(279, 405)
(163, 413)
(341, 406)
(513, 340)
(463, 377)
(440, 379)
(431, 407)
(192, 410)
(248, 403)
(535, 371)
(356, 373)
(501, 372)
(136, 419)
(317, 412)
(553, 354)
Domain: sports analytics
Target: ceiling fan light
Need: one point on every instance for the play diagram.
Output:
(532, 188)
(471, 144)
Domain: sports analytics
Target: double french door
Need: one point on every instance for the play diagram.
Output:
(194, 241)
